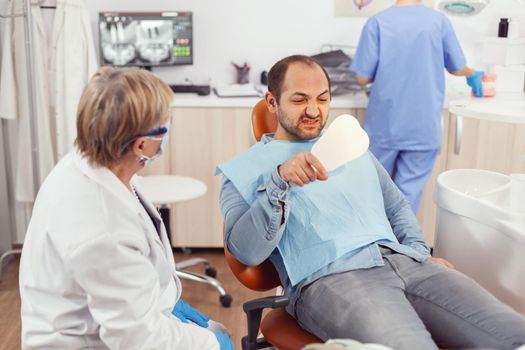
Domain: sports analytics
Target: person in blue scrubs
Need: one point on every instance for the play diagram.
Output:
(404, 50)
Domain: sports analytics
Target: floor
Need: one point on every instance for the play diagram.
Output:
(204, 298)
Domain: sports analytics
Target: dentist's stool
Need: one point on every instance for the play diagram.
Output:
(164, 190)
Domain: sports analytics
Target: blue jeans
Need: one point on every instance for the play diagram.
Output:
(409, 305)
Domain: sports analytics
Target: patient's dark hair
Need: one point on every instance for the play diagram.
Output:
(278, 72)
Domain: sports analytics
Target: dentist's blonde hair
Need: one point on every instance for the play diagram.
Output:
(116, 105)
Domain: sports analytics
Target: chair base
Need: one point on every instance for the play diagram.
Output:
(210, 273)
(224, 298)
(258, 345)
(5, 256)
(208, 270)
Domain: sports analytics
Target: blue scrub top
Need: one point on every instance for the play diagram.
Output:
(404, 50)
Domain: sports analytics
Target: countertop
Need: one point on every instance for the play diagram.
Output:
(509, 107)
(358, 100)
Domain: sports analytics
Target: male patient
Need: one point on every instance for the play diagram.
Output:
(346, 244)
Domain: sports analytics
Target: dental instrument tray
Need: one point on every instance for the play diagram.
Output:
(337, 65)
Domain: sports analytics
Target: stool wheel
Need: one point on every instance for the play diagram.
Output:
(226, 300)
(185, 251)
(210, 271)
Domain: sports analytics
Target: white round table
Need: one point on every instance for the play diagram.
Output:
(163, 190)
(506, 108)
(495, 109)
(169, 189)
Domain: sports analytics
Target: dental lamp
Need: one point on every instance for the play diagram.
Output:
(463, 7)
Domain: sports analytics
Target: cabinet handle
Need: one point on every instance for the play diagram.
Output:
(459, 134)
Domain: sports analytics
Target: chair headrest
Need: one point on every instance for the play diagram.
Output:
(263, 121)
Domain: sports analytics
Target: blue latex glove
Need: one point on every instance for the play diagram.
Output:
(185, 313)
(224, 341)
(474, 81)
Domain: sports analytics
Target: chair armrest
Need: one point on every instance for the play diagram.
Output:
(253, 310)
(272, 302)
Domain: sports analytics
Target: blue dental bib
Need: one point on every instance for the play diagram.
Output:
(327, 219)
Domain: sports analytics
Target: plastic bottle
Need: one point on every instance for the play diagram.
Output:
(503, 27)
(488, 82)
(514, 28)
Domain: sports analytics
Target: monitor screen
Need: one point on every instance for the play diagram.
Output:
(146, 39)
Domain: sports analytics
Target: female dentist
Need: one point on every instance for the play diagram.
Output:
(404, 50)
(97, 269)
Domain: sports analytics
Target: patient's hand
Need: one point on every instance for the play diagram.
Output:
(302, 169)
(442, 262)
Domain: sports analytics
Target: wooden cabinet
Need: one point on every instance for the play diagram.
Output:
(359, 113)
(426, 214)
(201, 139)
(485, 144)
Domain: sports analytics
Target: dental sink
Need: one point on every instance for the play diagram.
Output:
(481, 233)
(475, 183)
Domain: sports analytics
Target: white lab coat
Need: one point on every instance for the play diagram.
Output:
(74, 64)
(14, 98)
(94, 272)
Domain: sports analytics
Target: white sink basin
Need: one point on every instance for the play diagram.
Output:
(481, 195)
(476, 183)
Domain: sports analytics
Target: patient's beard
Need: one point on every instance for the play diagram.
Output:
(295, 131)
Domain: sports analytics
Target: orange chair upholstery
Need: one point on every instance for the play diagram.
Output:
(263, 121)
(278, 327)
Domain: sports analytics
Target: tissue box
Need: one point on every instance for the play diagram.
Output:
(510, 78)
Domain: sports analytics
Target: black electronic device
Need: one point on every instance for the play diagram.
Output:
(201, 90)
(146, 39)
(264, 77)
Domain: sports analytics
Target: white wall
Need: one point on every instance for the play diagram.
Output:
(261, 32)
(471, 29)
(5, 218)
(6, 235)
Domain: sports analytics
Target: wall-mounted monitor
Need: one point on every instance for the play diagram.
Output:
(146, 39)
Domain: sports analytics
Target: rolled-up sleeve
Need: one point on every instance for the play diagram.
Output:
(454, 58)
(252, 232)
(366, 58)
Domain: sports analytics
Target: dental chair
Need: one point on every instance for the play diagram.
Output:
(278, 328)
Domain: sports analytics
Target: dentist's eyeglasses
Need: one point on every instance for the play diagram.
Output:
(150, 134)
